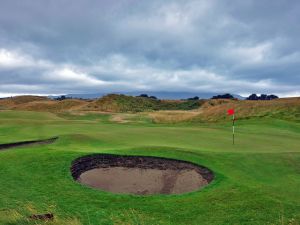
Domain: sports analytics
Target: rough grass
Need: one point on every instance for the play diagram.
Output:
(43, 104)
(123, 103)
(109, 103)
(257, 180)
(22, 215)
(216, 110)
(160, 111)
(289, 109)
(175, 116)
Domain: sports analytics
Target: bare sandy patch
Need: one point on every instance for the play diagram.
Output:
(139, 175)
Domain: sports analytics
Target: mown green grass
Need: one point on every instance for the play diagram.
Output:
(257, 179)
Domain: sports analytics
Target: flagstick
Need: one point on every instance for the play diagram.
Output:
(233, 129)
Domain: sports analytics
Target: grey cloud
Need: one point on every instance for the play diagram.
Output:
(155, 45)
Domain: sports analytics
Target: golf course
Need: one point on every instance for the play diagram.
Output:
(256, 180)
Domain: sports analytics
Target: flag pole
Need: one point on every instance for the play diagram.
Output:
(231, 112)
(233, 129)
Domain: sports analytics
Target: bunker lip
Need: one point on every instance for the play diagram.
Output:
(132, 174)
(27, 143)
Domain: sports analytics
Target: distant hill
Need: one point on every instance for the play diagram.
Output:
(159, 94)
(79, 96)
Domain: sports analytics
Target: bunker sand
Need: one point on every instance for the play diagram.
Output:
(140, 175)
(143, 181)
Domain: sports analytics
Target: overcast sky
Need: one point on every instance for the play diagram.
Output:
(86, 46)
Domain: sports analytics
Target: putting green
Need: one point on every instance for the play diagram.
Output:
(257, 180)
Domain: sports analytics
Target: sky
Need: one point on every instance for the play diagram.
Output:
(98, 46)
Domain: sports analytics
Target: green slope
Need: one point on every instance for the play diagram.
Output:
(257, 180)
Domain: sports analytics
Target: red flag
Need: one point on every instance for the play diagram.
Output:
(230, 112)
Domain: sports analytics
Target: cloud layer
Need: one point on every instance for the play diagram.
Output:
(92, 46)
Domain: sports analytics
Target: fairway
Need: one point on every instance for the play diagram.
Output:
(256, 181)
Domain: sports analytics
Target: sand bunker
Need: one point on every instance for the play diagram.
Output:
(27, 143)
(139, 175)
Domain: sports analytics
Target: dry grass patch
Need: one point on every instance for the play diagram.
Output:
(42, 104)
(129, 117)
(173, 116)
(214, 110)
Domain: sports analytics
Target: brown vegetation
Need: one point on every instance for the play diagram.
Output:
(108, 103)
(215, 110)
(36, 103)
(208, 110)
(286, 108)
(173, 116)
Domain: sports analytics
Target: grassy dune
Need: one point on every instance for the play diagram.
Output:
(288, 109)
(215, 110)
(108, 103)
(123, 103)
(160, 111)
(257, 180)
